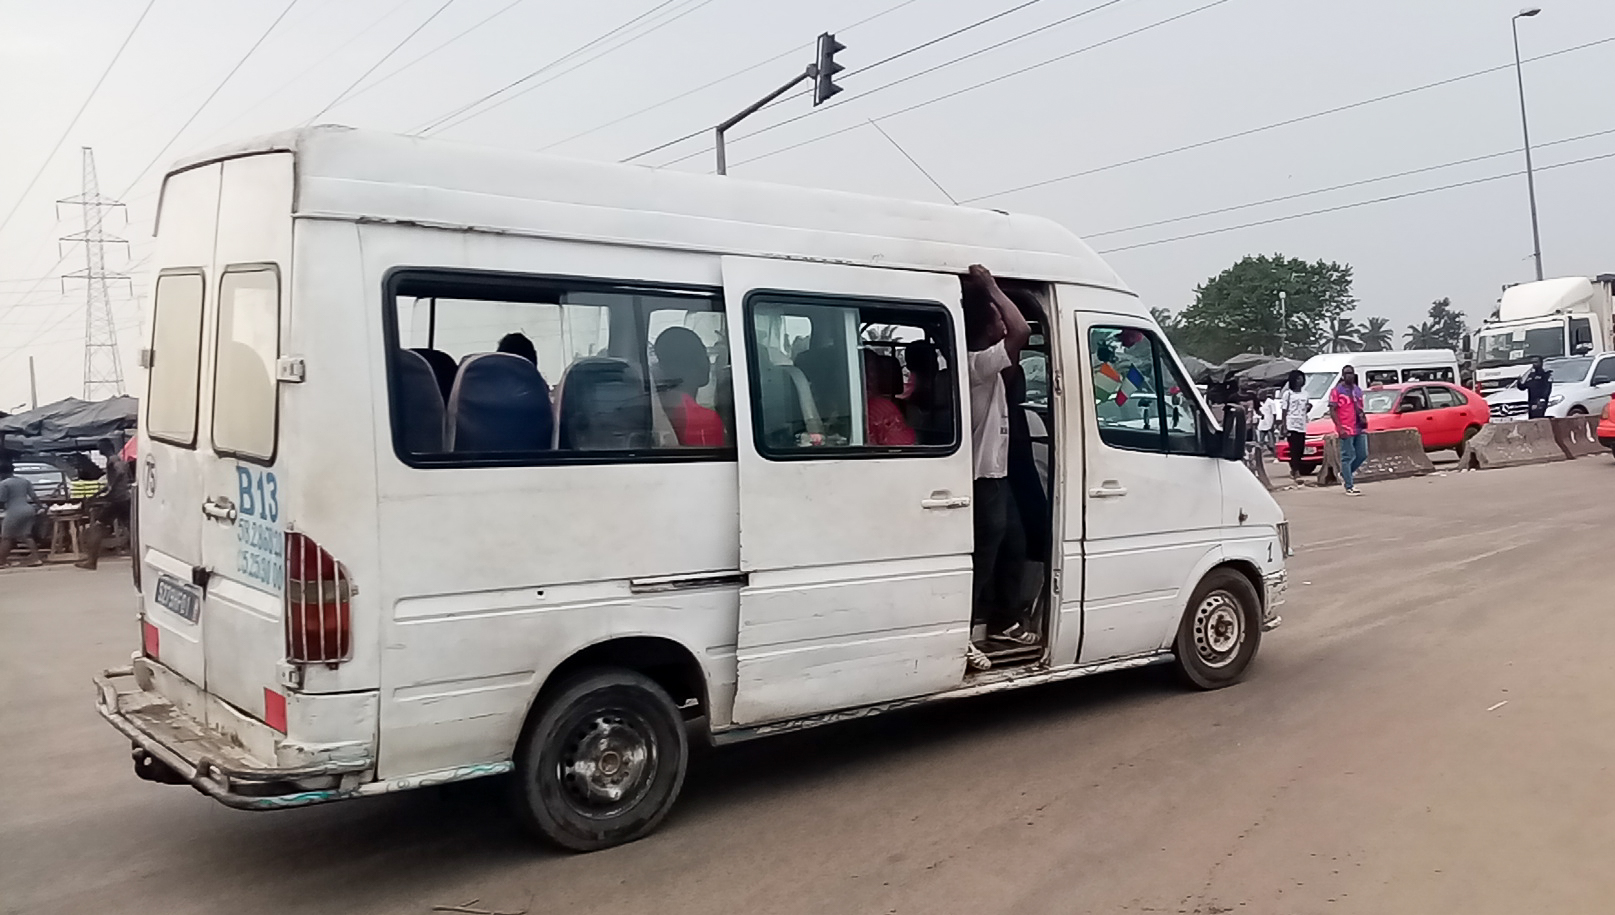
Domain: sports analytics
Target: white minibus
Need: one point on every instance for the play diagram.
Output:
(1389, 367)
(460, 462)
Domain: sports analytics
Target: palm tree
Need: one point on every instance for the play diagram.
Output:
(1342, 336)
(1375, 336)
(1423, 336)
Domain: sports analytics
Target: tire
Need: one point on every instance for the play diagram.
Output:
(1220, 631)
(607, 719)
(1577, 411)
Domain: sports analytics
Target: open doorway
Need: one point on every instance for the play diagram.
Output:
(1012, 624)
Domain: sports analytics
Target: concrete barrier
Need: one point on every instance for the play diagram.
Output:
(1392, 454)
(1577, 436)
(1529, 441)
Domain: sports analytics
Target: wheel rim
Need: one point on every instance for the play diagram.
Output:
(608, 763)
(1219, 629)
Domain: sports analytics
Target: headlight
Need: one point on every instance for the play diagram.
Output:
(1555, 400)
(1284, 539)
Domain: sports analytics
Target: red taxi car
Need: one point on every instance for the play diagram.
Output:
(1606, 426)
(1446, 415)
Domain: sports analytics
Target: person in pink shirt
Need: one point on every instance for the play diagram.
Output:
(1351, 425)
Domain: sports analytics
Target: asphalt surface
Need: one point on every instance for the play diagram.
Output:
(1429, 732)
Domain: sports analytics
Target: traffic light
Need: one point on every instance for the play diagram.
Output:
(825, 69)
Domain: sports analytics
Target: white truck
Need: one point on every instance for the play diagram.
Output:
(1570, 316)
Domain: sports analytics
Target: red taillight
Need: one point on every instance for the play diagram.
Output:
(150, 639)
(319, 627)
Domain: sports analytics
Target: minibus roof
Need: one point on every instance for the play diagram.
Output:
(1334, 362)
(368, 176)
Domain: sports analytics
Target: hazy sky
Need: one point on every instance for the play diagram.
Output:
(1230, 67)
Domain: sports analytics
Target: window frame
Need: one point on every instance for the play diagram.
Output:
(857, 302)
(201, 335)
(274, 382)
(1205, 425)
(1457, 400)
(470, 281)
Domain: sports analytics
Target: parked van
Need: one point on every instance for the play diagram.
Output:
(386, 543)
(1393, 367)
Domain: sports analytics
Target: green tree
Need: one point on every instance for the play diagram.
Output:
(1238, 310)
(1375, 335)
(1343, 336)
(1446, 325)
(1422, 336)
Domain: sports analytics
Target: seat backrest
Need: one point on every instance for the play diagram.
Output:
(444, 368)
(603, 405)
(883, 374)
(420, 404)
(500, 403)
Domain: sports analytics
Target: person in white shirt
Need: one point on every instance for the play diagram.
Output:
(995, 334)
(1294, 406)
(1266, 413)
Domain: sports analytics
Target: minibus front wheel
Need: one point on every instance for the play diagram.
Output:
(601, 760)
(1220, 630)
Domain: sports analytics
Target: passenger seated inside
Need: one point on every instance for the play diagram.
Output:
(517, 343)
(824, 365)
(926, 399)
(683, 369)
(883, 418)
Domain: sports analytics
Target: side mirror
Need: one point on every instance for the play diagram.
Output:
(1231, 446)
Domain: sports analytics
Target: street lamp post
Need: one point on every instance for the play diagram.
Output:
(1284, 320)
(1525, 128)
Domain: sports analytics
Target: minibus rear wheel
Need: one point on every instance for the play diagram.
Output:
(601, 760)
(1220, 631)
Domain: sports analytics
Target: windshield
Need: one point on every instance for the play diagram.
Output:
(1318, 383)
(1379, 401)
(1569, 371)
(1513, 347)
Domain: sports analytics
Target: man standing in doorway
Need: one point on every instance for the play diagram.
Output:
(109, 507)
(1351, 425)
(1537, 383)
(995, 333)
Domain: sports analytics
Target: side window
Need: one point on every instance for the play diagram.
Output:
(1380, 376)
(1581, 335)
(176, 357)
(1442, 398)
(1141, 403)
(505, 369)
(245, 397)
(1604, 372)
(1413, 400)
(1429, 374)
(839, 376)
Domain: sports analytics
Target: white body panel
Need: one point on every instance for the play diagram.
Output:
(798, 587)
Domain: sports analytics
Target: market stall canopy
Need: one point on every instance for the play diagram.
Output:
(1245, 361)
(69, 425)
(1273, 372)
(1197, 368)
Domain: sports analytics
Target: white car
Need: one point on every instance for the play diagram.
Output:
(1581, 385)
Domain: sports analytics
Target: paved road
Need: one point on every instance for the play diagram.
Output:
(1365, 767)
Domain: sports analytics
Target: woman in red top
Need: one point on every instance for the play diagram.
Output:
(682, 363)
(883, 381)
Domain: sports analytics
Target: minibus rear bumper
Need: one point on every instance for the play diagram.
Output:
(1276, 585)
(172, 746)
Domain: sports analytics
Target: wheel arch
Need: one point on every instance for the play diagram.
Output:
(669, 663)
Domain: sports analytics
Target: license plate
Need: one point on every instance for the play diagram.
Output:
(183, 599)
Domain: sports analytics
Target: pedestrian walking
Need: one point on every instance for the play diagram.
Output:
(1351, 425)
(22, 511)
(1537, 383)
(1266, 414)
(1296, 408)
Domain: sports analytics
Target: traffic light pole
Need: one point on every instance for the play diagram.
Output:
(723, 164)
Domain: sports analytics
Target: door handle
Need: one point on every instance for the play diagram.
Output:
(1109, 489)
(220, 509)
(941, 500)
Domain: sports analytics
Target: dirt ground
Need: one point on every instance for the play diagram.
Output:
(1429, 732)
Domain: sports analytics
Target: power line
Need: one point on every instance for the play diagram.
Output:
(443, 120)
(861, 70)
(1340, 187)
(911, 160)
(56, 147)
(384, 58)
(211, 96)
(986, 82)
(704, 86)
(1284, 123)
(963, 57)
(1352, 206)
(480, 23)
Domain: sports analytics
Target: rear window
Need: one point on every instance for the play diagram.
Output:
(244, 393)
(176, 354)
